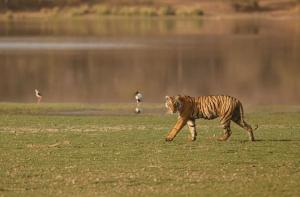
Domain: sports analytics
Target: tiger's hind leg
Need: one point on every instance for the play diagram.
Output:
(192, 127)
(242, 123)
(226, 128)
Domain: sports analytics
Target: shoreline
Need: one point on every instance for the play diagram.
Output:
(168, 11)
(38, 16)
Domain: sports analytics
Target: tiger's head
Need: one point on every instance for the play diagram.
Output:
(173, 104)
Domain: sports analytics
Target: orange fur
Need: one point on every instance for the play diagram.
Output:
(227, 108)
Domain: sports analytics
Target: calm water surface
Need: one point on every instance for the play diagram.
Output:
(107, 60)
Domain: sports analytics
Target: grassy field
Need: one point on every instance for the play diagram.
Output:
(106, 150)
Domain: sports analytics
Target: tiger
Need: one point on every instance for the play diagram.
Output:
(227, 108)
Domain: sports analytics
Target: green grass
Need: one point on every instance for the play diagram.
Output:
(106, 150)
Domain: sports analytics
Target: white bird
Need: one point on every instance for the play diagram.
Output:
(38, 96)
(138, 97)
(137, 110)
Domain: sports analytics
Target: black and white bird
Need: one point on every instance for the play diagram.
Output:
(38, 96)
(138, 97)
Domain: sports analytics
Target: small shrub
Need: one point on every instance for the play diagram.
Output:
(102, 10)
(187, 11)
(166, 10)
(129, 11)
(148, 11)
(197, 12)
(245, 5)
(79, 11)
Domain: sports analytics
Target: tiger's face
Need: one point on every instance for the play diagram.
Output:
(172, 104)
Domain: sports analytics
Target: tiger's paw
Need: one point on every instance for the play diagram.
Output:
(192, 138)
(223, 139)
(169, 139)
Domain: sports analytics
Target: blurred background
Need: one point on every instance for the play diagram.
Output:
(103, 51)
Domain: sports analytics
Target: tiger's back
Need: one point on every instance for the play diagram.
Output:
(210, 107)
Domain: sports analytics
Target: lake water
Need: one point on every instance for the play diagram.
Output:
(108, 59)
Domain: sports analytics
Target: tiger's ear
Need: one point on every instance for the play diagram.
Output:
(167, 97)
(178, 102)
(177, 98)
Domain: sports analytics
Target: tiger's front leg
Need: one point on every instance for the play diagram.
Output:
(192, 127)
(181, 122)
